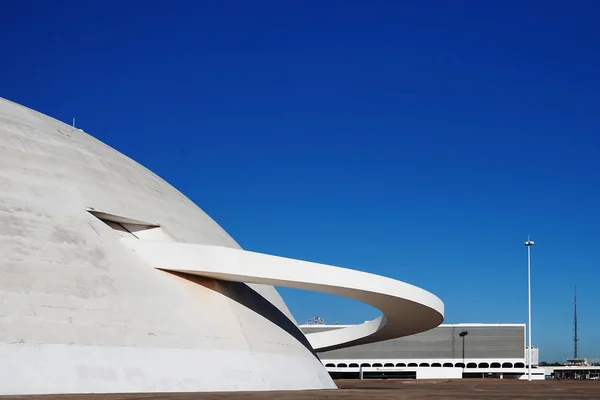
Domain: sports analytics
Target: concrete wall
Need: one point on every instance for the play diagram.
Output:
(483, 342)
(420, 372)
(80, 312)
(489, 349)
(439, 373)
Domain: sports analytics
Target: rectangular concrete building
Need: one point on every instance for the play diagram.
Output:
(448, 351)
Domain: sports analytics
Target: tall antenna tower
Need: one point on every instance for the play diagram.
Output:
(575, 337)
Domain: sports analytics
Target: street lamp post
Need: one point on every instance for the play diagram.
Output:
(528, 244)
(462, 335)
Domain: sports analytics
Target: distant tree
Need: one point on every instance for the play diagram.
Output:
(550, 364)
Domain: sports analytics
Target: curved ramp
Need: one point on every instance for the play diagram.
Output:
(406, 309)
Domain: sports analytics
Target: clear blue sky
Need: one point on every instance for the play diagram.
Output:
(420, 140)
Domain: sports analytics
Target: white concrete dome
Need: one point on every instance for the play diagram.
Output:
(81, 311)
(84, 312)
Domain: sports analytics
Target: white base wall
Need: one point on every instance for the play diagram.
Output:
(536, 375)
(448, 372)
(57, 369)
(422, 372)
(439, 373)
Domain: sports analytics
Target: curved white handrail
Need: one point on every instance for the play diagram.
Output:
(406, 309)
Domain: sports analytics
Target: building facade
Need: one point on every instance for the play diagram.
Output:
(449, 351)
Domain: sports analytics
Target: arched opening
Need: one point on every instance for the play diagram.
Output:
(448, 365)
(400, 365)
(388, 365)
(495, 365)
(353, 365)
(412, 365)
(460, 365)
(365, 365)
(471, 365)
(329, 365)
(436, 365)
(506, 365)
(484, 365)
(424, 365)
(342, 365)
(377, 365)
(519, 365)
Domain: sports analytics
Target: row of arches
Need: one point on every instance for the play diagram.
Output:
(446, 365)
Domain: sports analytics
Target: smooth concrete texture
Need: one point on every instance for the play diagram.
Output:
(93, 369)
(406, 309)
(69, 288)
(81, 312)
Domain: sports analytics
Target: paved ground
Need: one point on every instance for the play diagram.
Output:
(464, 389)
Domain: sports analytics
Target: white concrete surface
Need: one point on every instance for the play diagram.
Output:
(98, 369)
(439, 373)
(406, 309)
(73, 299)
(421, 372)
(537, 374)
(429, 372)
(449, 362)
(535, 356)
(81, 312)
